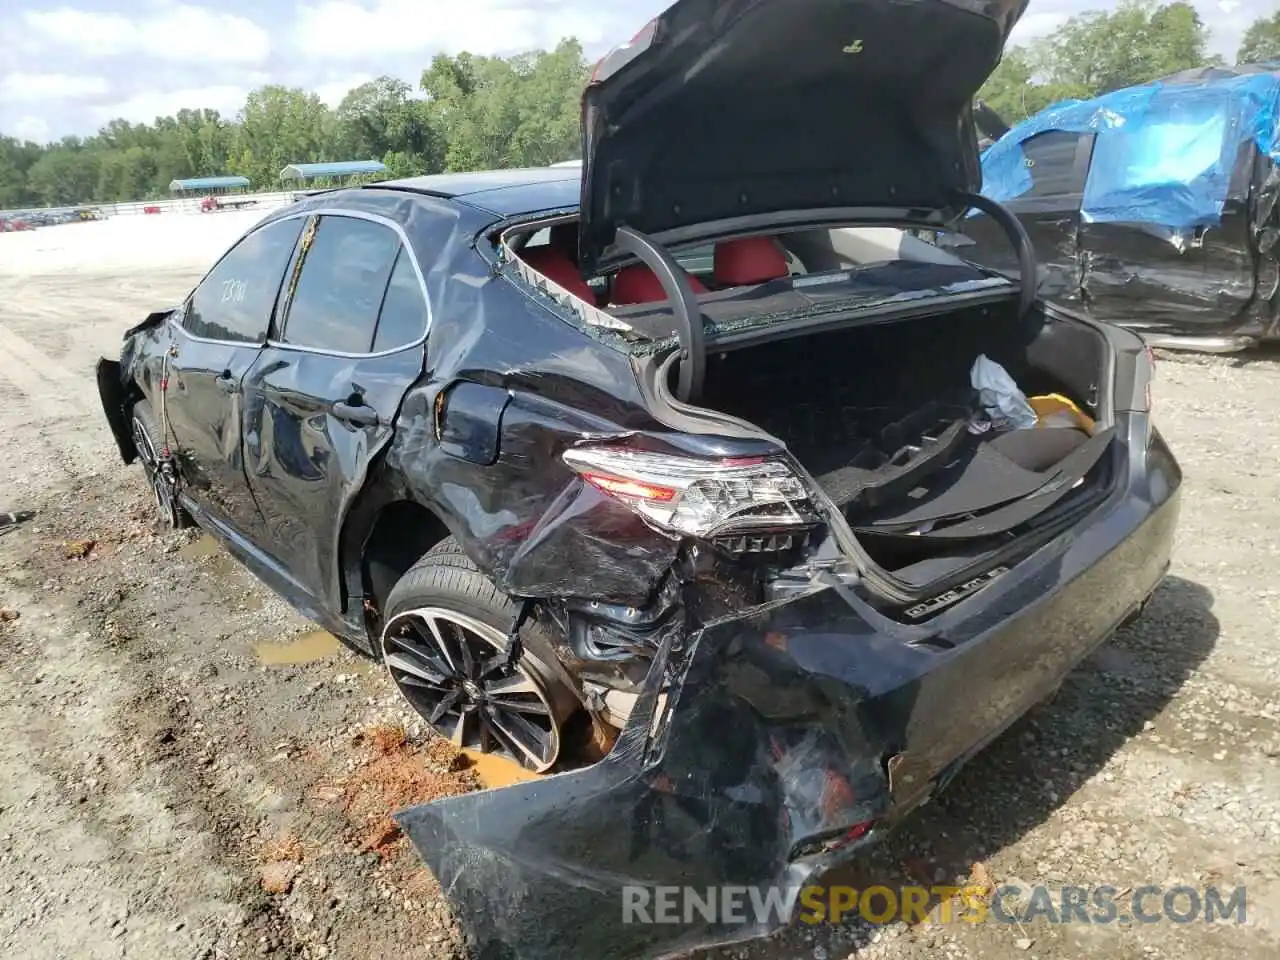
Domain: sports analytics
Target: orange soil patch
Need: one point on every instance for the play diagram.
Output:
(396, 775)
(280, 859)
(286, 848)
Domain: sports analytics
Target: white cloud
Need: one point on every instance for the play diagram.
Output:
(35, 129)
(178, 32)
(145, 107)
(1033, 26)
(41, 87)
(342, 30)
(332, 93)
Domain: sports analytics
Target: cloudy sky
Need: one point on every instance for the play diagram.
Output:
(67, 66)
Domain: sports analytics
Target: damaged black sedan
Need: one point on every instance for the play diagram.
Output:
(689, 476)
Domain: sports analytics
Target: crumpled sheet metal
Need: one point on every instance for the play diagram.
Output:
(499, 485)
(761, 747)
(778, 730)
(1174, 228)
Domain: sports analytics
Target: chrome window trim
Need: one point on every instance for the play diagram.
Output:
(256, 344)
(282, 345)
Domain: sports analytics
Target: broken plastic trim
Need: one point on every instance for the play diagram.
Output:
(587, 313)
(1028, 282)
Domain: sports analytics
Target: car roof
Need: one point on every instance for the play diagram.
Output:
(506, 193)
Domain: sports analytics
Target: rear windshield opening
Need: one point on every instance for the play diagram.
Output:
(762, 275)
(553, 252)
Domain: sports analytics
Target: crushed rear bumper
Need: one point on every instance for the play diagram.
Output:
(790, 737)
(115, 406)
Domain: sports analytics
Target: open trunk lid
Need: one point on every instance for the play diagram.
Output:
(723, 109)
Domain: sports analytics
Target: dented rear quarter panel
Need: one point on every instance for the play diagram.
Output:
(509, 385)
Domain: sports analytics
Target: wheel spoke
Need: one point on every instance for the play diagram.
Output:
(415, 667)
(492, 665)
(425, 654)
(529, 707)
(447, 703)
(434, 626)
(516, 683)
(460, 730)
(467, 659)
(523, 735)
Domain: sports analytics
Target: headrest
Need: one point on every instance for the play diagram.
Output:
(638, 284)
(750, 260)
(556, 266)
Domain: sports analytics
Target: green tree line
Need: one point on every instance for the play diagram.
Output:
(474, 112)
(470, 112)
(1097, 52)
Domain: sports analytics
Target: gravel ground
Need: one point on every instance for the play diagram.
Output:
(171, 786)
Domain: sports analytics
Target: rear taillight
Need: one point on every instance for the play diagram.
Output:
(758, 500)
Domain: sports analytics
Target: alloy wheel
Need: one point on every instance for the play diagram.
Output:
(452, 670)
(161, 488)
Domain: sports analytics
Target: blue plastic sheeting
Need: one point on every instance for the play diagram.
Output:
(1163, 152)
(339, 168)
(208, 183)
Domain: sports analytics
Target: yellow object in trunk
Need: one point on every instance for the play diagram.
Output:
(1055, 410)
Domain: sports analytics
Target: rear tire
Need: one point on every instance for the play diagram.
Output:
(148, 439)
(444, 643)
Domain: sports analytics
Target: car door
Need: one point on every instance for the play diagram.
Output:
(1056, 163)
(216, 338)
(322, 397)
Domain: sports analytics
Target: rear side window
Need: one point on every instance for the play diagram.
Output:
(234, 302)
(335, 305)
(404, 309)
(1051, 161)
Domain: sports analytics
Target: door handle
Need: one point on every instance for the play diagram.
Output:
(226, 381)
(359, 414)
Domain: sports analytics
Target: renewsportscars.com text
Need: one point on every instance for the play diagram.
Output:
(1101, 904)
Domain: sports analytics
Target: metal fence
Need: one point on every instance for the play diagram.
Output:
(263, 201)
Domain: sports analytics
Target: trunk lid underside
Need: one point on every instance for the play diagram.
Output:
(731, 108)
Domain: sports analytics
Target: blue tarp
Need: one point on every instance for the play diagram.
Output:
(1163, 152)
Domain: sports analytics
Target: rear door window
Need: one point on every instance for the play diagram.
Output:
(403, 318)
(340, 290)
(234, 302)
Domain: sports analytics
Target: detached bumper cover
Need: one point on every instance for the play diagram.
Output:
(772, 750)
(112, 393)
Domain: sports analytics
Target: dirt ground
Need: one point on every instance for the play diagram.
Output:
(188, 770)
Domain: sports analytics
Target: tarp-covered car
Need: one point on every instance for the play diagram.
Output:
(692, 454)
(1153, 206)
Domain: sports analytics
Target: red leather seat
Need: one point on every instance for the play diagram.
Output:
(557, 267)
(748, 261)
(638, 284)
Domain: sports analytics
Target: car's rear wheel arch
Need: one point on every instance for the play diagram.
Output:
(387, 538)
